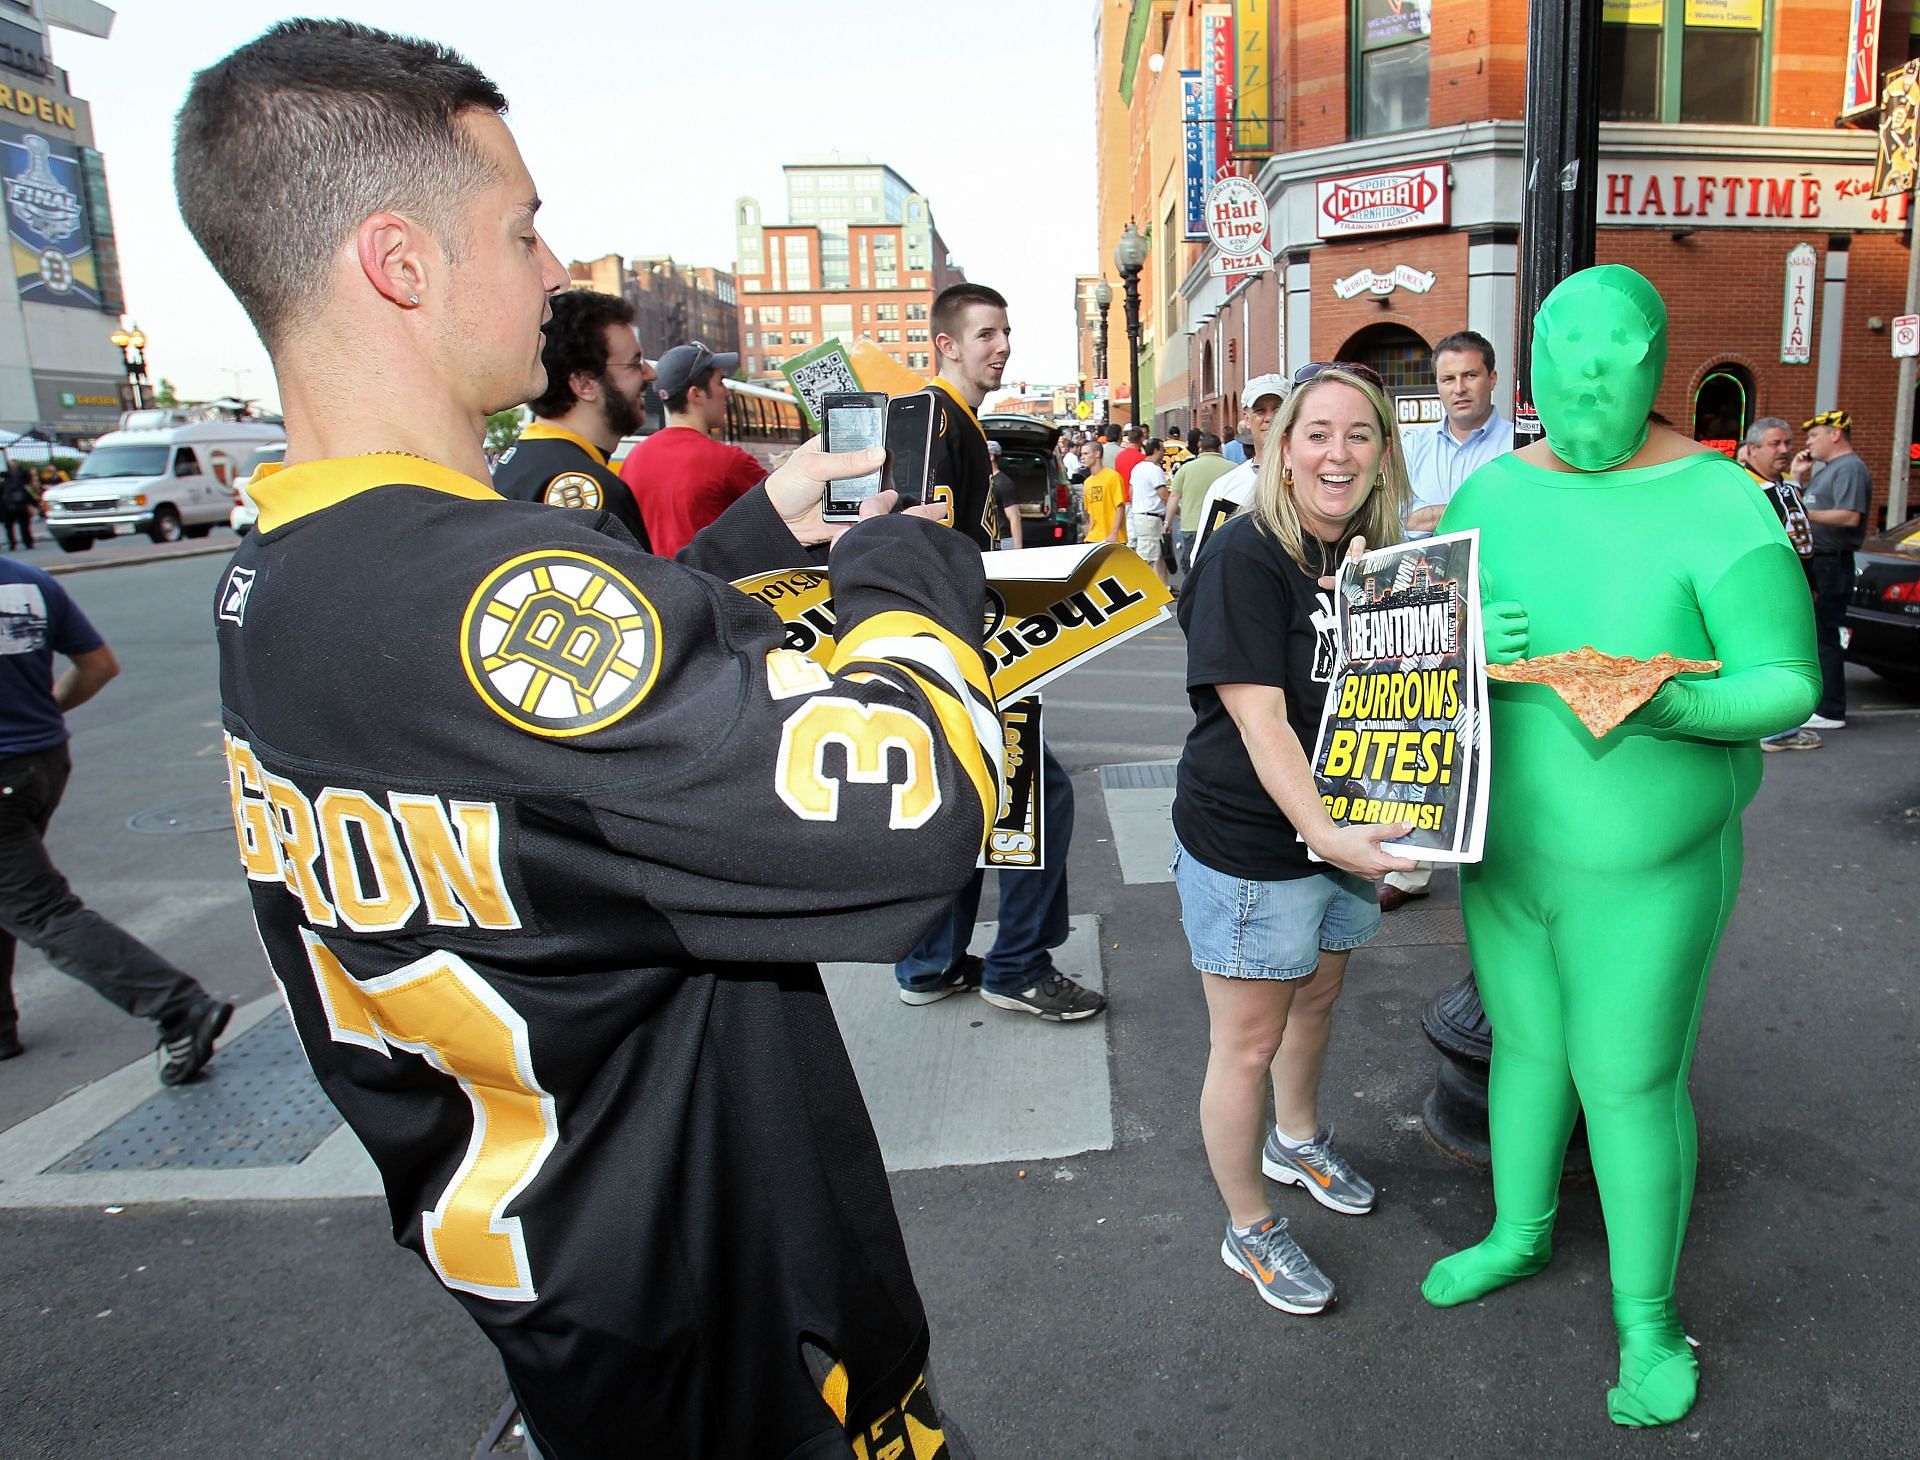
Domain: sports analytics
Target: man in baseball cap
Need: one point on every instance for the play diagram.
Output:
(1838, 489)
(1259, 403)
(682, 477)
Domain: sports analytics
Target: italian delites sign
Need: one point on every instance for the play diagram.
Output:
(1403, 737)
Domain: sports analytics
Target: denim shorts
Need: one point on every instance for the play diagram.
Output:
(1240, 928)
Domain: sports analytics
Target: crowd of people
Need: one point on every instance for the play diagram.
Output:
(579, 825)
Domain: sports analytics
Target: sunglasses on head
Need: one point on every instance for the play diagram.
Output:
(1352, 367)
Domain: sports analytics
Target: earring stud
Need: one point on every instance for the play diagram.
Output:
(413, 299)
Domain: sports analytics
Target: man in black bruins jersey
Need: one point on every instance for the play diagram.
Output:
(973, 338)
(597, 378)
(545, 833)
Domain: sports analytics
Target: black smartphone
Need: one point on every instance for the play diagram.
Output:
(852, 421)
(910, 446)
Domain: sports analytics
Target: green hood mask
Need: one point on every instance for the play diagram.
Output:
(1599, 350)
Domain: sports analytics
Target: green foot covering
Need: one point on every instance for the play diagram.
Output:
(1659, 1375)
(1512, 1251)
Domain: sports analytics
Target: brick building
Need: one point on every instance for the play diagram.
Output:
(674, 302)
(858, 259)
(1390, 158)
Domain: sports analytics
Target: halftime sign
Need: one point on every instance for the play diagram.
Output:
(1390, 200)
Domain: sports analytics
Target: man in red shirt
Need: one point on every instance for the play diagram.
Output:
(683, 478)
(1130, 454)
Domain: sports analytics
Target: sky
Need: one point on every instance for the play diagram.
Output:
(643, 121)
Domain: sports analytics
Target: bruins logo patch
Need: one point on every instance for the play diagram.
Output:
(559, 643)
(573, 489)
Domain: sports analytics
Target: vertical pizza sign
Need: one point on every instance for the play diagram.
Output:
(1796, 313)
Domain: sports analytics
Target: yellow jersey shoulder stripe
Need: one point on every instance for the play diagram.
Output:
(300, 491)
(538, 430)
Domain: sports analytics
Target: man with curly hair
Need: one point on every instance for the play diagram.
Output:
(597, 378)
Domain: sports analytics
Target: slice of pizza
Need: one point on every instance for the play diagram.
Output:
(1602, 689)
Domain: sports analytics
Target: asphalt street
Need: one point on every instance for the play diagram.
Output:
(1079, 1305)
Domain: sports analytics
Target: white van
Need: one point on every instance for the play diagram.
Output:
(168, 481)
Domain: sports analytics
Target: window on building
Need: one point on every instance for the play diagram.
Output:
(886, 311)
(803, 207)
(751, 286)
(1723, 407)
(775, 338)
(889, 337)
(866, 313)
(1697, 63)
(746, 317)
(918, 337)
(800, 314)
(916, 311)
(867, 205)
(1391, 64)
(919, 360)
(799, 255)
(833, 182)
(836, 319)
(751, 340)
(771, 314)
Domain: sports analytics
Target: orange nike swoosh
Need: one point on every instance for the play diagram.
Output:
(1325, 1181)
(1265, 1275)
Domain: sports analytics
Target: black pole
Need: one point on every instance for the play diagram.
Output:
(1562, 161)
(1106, 397)
(1132, 280)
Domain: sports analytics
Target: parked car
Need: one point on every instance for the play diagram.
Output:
(169, 482)
(245, 513)
(1047, 517)
(1884, 618)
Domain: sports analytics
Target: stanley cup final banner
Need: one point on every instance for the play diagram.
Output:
(1403, 737)
(1047, 610)
(53, 259)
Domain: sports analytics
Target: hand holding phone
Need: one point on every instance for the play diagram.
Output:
(852, 421)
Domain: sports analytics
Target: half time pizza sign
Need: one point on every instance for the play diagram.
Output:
(1391, 200)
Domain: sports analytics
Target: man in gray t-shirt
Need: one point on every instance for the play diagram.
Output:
(1839, 494)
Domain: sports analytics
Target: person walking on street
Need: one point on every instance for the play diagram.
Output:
(1270, 930)
(1147, 507)
(1766, 453)
(1103, 496)
(37, 906)
(19, 504)
(1006, 501)
(1233, 490)
(1130, 453)
(972, 340)
(1188, 491)
(1839, 492)
(597, 379)
(682, 477)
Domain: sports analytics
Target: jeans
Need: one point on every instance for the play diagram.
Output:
(1182, 550)
(1832, 575)
(1033, 908)
(39, 909)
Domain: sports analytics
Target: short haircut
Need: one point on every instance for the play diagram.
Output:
(1463, 340)
(284, 147)
(1151, 445)
(1135, 434)
(1209, 441)
(953, 302)
(576, 341)
(1765, 424)
(677, 403)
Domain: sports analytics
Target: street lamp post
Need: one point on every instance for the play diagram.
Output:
(133, 352)
(1129, 257)
(1103, 301)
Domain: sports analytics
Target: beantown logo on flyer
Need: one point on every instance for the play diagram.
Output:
(1389, 201)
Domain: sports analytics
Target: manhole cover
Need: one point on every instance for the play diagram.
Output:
(202, 813)
(1421, 927)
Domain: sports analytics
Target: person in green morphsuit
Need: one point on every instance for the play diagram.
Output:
(1611, 865)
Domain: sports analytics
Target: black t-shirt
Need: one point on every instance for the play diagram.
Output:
(1251, 617)
(1006, 502)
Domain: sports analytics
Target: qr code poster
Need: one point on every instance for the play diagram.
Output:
(822, 371)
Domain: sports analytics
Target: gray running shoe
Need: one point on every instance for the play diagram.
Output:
(1801, 739)
(1324, 1172)
(964, 975)
(1280, 1272)
(1056, 998)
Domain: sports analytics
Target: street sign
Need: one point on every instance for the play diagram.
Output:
(1237, 222)
(1083, 410)
(1906, 335)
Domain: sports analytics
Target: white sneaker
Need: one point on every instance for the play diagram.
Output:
(1821, 722)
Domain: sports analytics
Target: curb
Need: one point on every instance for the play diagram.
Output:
(199, 550)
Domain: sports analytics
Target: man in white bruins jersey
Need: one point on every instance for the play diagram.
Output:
(545, 833)
(597, 378)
